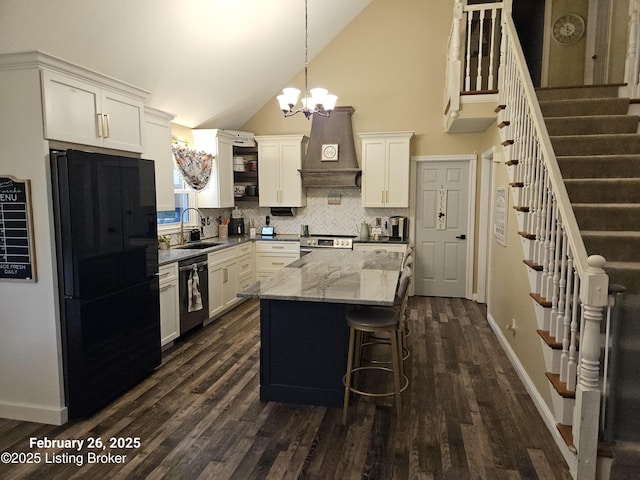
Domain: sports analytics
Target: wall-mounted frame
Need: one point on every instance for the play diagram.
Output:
(17, 255)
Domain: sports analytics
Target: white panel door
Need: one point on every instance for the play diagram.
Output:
(290, 179)
(373, 173)
(71, 109)
(397, 173)
(268, 174)
(224, 164)
(123, 123)
(157, 147)
(441, 222)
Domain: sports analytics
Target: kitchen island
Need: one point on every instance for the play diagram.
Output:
(303, 330)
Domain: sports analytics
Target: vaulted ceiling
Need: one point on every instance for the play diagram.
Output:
(213, 63)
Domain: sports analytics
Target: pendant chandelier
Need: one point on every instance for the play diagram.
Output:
(316, 101)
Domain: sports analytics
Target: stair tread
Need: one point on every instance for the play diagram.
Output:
(610, 233)
(608, 205)
(602, 179)
(622, 136)
(587, 100)
(601, 157)
(602, 116)
(624, 265)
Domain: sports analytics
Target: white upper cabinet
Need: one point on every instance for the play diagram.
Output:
(82, 111)
(279, 161)
(157, 147)
(385, 169)
(219, 192)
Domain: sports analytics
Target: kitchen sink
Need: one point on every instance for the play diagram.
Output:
(199, 246)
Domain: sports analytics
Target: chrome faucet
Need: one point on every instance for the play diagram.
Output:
(181, 241)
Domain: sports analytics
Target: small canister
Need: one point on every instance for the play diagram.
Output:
(238, 164)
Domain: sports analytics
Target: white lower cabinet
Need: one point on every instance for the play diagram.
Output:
(271, 256)
(169, 303)
(245, 270)
(222, 280)
(230, 270)
(379, 247)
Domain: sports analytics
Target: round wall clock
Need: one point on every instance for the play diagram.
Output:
(568, 29)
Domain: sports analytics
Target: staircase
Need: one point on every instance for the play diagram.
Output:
(597, 146)
(598, 149)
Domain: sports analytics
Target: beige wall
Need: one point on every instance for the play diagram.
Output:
(508, 287)
(566, 62)
(182, 134)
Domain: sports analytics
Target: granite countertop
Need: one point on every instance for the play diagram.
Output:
(331, 276)
(176, 254)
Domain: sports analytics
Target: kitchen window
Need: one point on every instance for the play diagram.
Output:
(185, 197)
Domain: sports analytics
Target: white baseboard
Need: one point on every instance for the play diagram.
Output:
(541, 405)
(31, 413)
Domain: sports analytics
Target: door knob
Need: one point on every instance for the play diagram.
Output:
(462, 237)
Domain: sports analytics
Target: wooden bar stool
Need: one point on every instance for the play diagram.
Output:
(377, 320)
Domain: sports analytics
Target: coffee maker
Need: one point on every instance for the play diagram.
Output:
(399, 228)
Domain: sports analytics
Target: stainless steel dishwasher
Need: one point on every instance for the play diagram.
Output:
(193, 270)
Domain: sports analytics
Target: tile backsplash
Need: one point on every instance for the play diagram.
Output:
(322, 217)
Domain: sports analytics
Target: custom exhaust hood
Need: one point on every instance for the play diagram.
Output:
(331, 160)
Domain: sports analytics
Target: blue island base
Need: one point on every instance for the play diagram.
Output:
(303, 354)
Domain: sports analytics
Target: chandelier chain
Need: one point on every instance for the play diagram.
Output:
(321, 102)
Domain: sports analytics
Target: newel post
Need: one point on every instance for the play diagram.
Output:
(454, 66)
(593, 294)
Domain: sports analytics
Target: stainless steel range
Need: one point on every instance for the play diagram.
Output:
(327, 241)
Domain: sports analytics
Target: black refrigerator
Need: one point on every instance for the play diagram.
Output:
(107, 253)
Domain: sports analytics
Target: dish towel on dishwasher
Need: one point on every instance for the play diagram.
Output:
(195, 299)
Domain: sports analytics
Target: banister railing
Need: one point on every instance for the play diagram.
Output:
(574, 284)
(472, 52)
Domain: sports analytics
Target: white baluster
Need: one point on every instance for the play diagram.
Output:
(480, 51)
(568, 335)
(562, 285)
(552, 249)
(572, 366)
(467, 77)
(492, 49)
(555, 286)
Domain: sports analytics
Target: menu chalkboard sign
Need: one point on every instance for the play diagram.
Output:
(16, 247)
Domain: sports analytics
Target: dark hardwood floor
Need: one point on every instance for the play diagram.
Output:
(198, 416)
